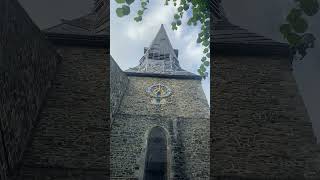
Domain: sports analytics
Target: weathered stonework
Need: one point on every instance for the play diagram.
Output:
(27, 66)
(184, 116)
(70, 140)
(159, 95)
(119, 86)
(68, 119)
(259, 125)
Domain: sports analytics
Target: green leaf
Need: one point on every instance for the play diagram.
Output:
(186, 7)
(205, 50)
(126, 9)
(309, 7)
(206, 63)
(201, 33)
(205, 43)
(285, 29)
(143, 4)
(119, 12)
(202, 68)
(293, 38)
(203, 59)
(300, 25)
(199, 40)
(138, 19)
(174, 26)
(189, 22)
(176, 16)
(179, 22)
(129, 1)
(201, 73)
(206, 35)
(120, 1)
(140, 12)
(294, 15)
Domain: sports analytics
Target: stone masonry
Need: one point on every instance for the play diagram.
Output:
(27, 67)
(118, 88)
(54, 88)
(184, 117)
(259, 128)
(54, 111)
(70, 139)
(182, 120)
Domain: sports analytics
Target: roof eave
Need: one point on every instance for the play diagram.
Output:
(79, 40)
(194, 77)
(251, 49)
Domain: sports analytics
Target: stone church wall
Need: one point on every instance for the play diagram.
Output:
(27, 66)
(195, 136)
(186, 94)
(118, 87)
(184, 117)
(259, 125)
(71, 139)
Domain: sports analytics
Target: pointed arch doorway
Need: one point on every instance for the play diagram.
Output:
(156, 165)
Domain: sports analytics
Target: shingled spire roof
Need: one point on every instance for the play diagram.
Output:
(161, 44)
(89, 30)
(94, 23)
(160, 58)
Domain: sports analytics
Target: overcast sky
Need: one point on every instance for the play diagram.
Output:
(128, 38)
(259, 16)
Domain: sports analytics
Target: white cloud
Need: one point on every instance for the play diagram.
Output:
(128, 38)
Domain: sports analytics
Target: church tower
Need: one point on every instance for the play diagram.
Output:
(160, 129)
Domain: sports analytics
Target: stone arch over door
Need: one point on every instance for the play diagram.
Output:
(156, 160)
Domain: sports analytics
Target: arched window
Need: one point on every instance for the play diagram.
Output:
(156, 157)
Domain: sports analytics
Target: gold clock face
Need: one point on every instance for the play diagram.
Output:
(159, 91)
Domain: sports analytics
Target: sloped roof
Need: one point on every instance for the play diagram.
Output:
(85, 25)
(231, 39)
(225, 32)
(226, 37)
(215, 8)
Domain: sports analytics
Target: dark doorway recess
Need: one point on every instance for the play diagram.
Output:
(156, 158)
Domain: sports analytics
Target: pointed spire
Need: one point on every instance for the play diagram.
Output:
(161, 43)
(160, 57)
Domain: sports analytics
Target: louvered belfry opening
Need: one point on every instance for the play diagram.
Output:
(156, 158)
